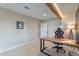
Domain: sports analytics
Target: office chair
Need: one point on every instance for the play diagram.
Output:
(59, 35)
(58, 47)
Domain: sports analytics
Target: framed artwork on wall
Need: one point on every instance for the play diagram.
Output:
(19, 24)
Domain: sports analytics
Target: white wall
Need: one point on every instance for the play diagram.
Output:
(67, 20)
(9, 35)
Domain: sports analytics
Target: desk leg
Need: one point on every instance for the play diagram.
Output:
(43, 44)
(40, 45)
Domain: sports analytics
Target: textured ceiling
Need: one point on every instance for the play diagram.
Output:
(37, 10)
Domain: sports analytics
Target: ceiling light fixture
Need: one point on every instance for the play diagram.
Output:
(45, 13)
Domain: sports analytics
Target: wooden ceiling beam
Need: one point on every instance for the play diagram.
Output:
(54, 9)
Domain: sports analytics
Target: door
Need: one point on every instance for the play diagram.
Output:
(43, 29)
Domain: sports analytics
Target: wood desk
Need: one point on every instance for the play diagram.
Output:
(67, 42)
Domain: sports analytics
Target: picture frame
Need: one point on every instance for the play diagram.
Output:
(19, 24)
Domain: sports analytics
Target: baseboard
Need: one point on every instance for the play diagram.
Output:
(17, 46)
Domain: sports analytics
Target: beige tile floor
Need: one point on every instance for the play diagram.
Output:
(33, 49)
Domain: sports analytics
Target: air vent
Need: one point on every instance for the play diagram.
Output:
(26, 7)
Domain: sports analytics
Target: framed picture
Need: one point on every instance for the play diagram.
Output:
(19, 24)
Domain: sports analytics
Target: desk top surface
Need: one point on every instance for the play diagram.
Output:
(62, 41)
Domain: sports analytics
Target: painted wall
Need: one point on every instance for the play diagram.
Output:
(66, 21)
(9, 35)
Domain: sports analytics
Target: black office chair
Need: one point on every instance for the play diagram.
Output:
(59, 35)
(58, 47)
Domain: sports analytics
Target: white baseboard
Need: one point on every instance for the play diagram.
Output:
(17, 46)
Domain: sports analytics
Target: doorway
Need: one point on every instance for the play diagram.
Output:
(44, 30)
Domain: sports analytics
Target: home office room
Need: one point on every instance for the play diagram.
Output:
(39, 29)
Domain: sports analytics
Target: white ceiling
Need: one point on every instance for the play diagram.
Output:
(37, 10)
(67, 8)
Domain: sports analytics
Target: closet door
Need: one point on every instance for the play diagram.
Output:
(43, 29)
